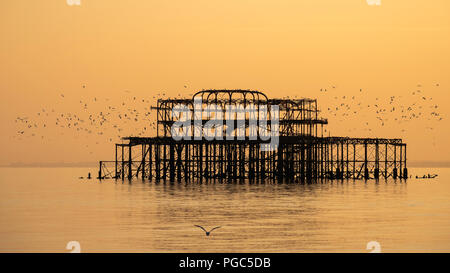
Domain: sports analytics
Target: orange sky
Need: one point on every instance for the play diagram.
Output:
(282, 48)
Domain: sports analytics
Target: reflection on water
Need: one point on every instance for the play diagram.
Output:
(41, 210)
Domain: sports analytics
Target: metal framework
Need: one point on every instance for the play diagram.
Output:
(303, 154)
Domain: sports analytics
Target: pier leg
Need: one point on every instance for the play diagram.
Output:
(377, 162)
(100, 171)
(164, 162)
(130, 171)
(150, 161)
(386, 162)
(394, 171)
(178, 167)
(143, 161)
(158, 162)
(366, 167)
(347, 173)
(405, 170)
(115, 163)
(172, 163)
(280, 163)
(123, 162)
(354, 161)
(186, 162)
(401, 161)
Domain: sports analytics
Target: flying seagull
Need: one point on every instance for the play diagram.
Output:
(207, 232)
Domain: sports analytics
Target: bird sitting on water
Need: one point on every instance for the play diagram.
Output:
(207, 232)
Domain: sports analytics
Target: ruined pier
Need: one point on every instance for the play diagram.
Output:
(301, 153)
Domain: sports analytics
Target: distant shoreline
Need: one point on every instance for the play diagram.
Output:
(428, 164)
(411, 164)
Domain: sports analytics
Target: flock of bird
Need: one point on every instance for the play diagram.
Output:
(132, 116)
(380, 112)
(92, 117)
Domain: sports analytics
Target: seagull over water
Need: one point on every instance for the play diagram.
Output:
(207, 232)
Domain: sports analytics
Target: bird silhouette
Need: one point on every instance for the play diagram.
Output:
(207, 232)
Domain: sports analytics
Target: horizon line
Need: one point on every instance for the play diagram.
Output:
(411, 163)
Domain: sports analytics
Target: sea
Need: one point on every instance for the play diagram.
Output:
(51, 209)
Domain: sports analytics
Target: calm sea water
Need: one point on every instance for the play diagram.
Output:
(42, 209)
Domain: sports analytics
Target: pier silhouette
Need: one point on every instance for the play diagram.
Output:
(302, 153)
